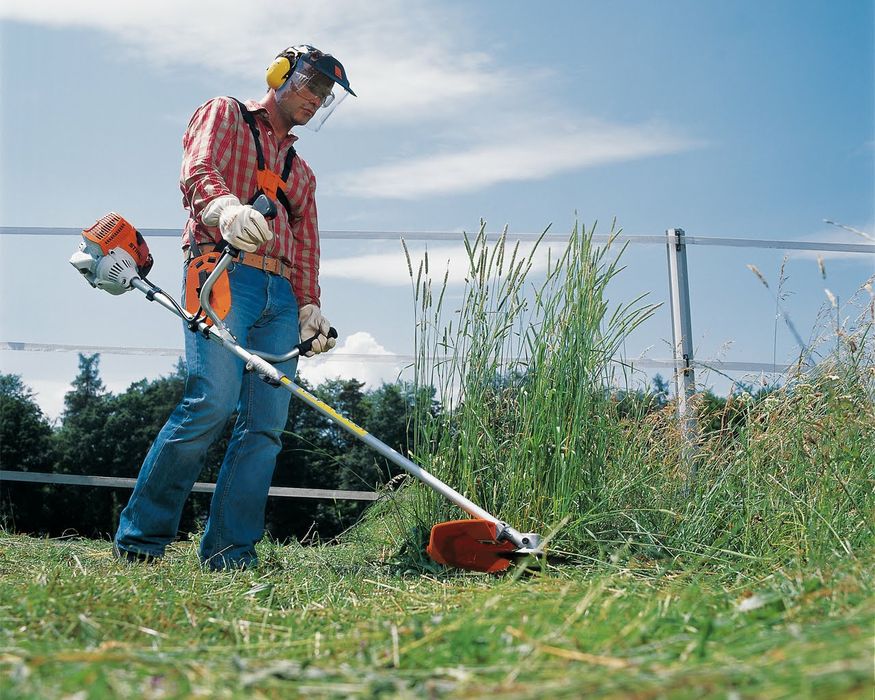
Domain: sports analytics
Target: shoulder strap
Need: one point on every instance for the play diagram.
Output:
(290, 155)
(194, 247)
(287, 169)
(253, 127)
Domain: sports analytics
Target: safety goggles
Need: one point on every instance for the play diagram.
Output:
(321, 76)
(311, 82)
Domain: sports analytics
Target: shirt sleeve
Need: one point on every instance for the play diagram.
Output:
(207, 148)
(305, 229)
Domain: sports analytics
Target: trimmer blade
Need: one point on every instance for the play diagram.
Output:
(470, 544)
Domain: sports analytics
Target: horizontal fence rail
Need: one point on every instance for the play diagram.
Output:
(823, 246)
(388, 358)
(199, 487)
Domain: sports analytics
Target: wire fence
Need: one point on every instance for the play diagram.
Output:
(388, 358)
(454, 236)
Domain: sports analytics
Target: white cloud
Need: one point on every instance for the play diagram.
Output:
(389, 269)
(396, 51)
(356, 356)
(838, 234)
(409, 61)
(511, 156)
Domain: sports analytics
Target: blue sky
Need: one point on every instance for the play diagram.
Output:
(744, 119)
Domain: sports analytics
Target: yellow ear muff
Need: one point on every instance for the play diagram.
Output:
(278, 72)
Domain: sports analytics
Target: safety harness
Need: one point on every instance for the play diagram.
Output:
(269, 182)
(202, 264)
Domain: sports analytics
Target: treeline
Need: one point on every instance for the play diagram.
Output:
(102, 434)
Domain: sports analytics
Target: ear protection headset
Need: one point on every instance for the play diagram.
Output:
(283, 65)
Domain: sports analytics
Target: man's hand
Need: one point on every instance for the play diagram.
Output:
(312, 323)
(241, 225)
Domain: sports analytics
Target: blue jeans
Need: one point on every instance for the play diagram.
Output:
(263, 317)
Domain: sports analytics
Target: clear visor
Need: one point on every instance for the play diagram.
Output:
(312, 83)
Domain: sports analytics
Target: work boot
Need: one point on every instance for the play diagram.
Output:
(133, 557)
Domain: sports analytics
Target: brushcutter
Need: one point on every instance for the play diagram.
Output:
(114, 257)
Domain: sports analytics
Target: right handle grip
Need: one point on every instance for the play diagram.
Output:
(265, 206)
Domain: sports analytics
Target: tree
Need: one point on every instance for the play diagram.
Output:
(25, 432)
(660, 390)
(134, 419)
(82, 443)
(87, 388)
(82, 446)
(318, 454)
(25, 445)
(109, 435)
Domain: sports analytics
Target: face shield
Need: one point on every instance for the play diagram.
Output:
(321, 78)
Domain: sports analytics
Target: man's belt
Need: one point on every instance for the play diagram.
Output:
(261, 262)
(267, 263)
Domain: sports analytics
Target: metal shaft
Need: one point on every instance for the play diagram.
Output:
(217, 332)
(392, 455)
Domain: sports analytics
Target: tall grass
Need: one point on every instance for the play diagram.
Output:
(531, 426)
(521, 371)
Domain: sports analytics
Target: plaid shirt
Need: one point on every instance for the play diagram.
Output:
(219, 158)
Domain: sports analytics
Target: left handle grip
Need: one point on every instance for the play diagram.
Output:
(307, 345)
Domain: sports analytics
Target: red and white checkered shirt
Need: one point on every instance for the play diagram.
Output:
(219, 158)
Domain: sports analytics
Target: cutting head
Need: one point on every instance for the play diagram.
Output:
(470, 544)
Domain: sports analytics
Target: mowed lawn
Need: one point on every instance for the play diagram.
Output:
(333, 621)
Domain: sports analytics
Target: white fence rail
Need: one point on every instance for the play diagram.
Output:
(822, 246)
(199, 486)
(390, 358)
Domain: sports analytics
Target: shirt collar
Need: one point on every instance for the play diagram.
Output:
(261, 112)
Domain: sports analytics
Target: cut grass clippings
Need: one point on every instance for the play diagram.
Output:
(327, 622)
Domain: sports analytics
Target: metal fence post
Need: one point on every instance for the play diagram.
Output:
(682, 339)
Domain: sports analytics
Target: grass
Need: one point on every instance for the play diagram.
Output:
(330, 622)
(520, 368)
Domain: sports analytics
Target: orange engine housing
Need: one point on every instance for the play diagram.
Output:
(113, 231)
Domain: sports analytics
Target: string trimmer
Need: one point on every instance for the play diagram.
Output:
(113, 256)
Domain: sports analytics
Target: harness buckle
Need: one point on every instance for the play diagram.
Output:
(269, 182)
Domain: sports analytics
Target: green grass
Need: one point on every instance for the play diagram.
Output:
(520, 365)
(334, 622)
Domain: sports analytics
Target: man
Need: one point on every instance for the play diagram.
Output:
(233, 153)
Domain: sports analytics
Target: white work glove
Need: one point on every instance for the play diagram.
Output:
(241, 225)
(311, 322)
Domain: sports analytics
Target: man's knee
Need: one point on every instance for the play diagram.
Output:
(207, 406)
(267, 413)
